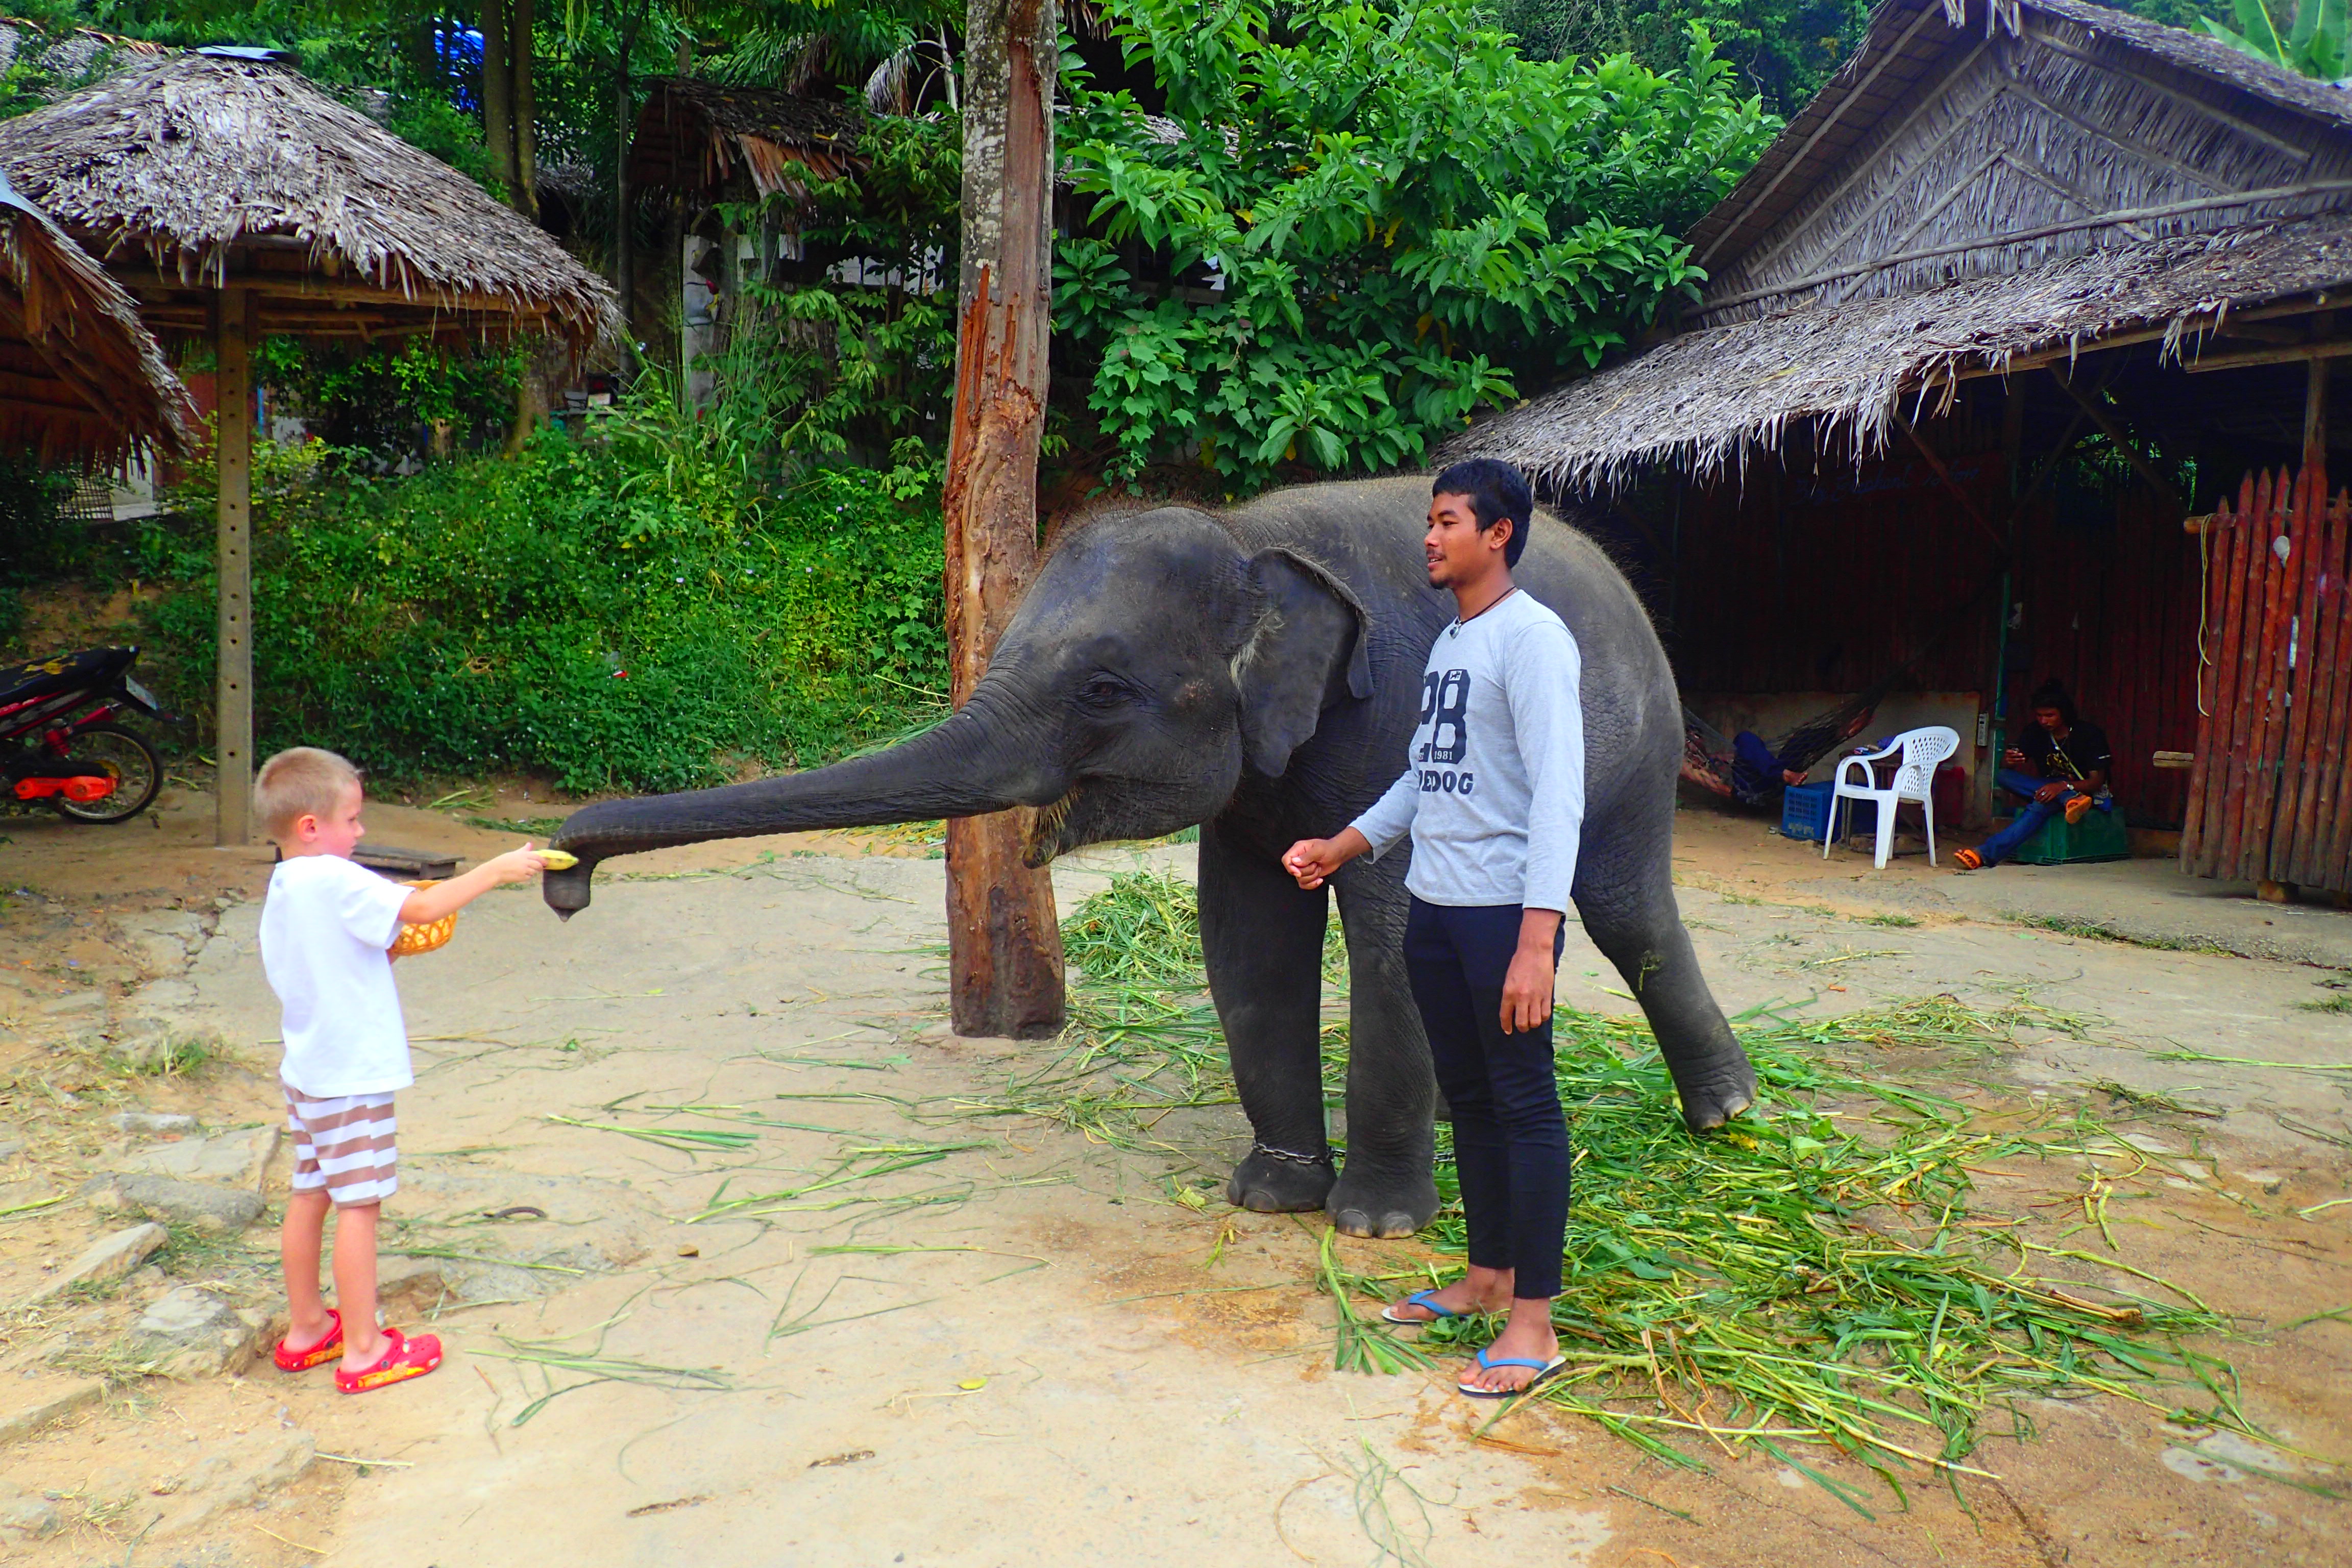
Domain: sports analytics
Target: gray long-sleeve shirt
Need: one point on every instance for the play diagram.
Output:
(1493, 792)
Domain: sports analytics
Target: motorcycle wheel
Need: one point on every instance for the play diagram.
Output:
(111, 750)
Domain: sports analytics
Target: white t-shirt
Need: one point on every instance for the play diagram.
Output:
(1492, 789)
(325, 928)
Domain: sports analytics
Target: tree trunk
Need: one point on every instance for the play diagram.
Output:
(520, 47)
(625, 272)
(498, 94)
(233, 677)
(1004, 946)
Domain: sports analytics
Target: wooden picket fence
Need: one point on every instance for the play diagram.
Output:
(2270, 796)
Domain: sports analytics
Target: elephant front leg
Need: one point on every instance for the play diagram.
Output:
(1263, 938)
(1388, 1188)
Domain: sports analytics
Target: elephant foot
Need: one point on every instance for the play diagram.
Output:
(1383, 1203)
(1710, 1101)
(1275, 1181)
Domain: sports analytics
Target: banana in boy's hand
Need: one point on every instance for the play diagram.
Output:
(559, 860)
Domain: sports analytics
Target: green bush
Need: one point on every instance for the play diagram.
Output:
(590, 611)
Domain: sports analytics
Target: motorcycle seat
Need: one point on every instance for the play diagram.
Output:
(38, 677)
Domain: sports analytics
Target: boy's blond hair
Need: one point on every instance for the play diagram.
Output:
(303, 781)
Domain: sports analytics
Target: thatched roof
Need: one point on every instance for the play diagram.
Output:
(79, 377)
(694, 135)
(213, 170)
(1974, 190)
(1707, 399)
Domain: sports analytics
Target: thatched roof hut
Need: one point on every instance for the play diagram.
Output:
(80, 378)
(698, 137)
(217, 169)
(1982, 187)
(233, 199)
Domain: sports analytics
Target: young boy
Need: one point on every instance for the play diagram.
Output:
(324, 930)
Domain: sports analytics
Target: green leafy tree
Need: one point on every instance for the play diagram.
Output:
(1375, 221)
(2314, 45)
(1784, 49)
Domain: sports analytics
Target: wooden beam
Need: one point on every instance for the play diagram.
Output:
(2261, 332)
(2315, 423)
(232, 683)
(2123, 443)
(2286, 354)
(1951, 484)
(2044, 231)
(144, 281)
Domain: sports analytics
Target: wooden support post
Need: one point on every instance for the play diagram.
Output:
(1004, 946)
(232, 454)
(2315, 420)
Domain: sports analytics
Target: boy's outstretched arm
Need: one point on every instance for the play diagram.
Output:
(445, 898)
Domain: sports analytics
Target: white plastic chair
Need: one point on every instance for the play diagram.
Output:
(1923, 750)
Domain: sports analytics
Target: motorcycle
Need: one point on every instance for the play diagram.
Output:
(60, 712)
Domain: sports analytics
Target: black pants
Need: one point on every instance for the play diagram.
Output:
(1510, 1142)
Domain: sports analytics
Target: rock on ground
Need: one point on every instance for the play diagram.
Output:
(197, 1204)
(194, 1332)
(34, 1407)
(151, 1122)
(236, 1476)
(230, 1158)
(30, 1518)
(108, 1258)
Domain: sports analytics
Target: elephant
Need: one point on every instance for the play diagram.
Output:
(1257, 671)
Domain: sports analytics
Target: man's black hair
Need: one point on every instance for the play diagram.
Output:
(1496, 490)
(2052, 694)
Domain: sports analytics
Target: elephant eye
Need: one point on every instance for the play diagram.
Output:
(1104, 689)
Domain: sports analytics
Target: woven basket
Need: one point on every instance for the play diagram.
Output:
(414, 939)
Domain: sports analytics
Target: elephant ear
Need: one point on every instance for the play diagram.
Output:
(1305, 649)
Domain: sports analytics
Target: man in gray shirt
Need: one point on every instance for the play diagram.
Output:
(1493, 795)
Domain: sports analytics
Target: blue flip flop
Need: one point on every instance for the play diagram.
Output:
(1420, 1299)
(1543, 1371)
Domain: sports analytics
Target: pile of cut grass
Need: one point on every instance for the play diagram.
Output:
(1814, 1277)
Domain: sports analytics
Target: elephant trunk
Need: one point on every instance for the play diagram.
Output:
(958, 768)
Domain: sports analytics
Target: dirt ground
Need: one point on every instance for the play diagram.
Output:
(1015, 1346)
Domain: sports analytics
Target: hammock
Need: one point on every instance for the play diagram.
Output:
(1709, 762)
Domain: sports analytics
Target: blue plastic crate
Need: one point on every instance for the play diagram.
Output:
(1805, 813)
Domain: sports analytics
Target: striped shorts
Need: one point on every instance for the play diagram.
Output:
(344, 1146)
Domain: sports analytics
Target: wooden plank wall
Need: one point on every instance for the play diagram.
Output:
(2111, 610)
(1805, 583)
(2271, 798)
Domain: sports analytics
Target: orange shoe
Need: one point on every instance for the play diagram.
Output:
(1968, 859)
(403, 1359)
(320, 1354)
(2077, 808)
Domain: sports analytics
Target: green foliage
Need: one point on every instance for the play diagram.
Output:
(1400, 217)
(826, 368)
(2314, 45)
(509, 615)
(383, 400)
(1785, 49)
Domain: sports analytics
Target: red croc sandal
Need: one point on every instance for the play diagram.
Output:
(403, 1359)
(320, 1354)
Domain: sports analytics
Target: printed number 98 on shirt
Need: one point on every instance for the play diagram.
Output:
(1444, 715)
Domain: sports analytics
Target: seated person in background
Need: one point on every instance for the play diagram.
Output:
(2060, 763)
